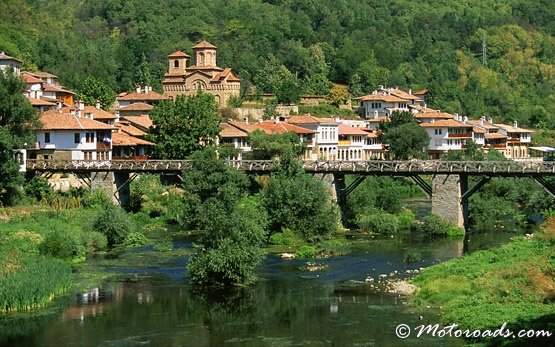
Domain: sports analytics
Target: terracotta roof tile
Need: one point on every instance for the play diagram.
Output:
(130, 129)
(242, 126)
(434, 115)
(228, 131)
(54, 120)
(52, 88)
(478, 130)
(404, 95)
(511, 129)
(121, 138)
(490, 136)
(99, 113)
(178, 54)
(30, 79)
(40, 102)
(273, 127)
(142, 121)
(307, 118)
(4, 56)
(486, 125)
(451, 123)
(378, 120)
(148, 96)
(136, 106)
(203, 45)
(381, 97)
(343, 129)
(41, 74)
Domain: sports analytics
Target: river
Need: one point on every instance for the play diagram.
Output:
(150, 304)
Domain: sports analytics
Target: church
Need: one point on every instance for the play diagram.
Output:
(204, 75)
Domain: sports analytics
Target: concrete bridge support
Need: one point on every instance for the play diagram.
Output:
(447, 198)
(336, 186)
(115, 185)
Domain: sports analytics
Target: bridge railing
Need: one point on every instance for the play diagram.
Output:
(512, 168)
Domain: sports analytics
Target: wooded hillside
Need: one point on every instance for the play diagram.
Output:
(432, 44)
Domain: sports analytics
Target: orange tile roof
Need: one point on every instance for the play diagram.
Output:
(377, 120)
(421, 92)
(153, 96)
(121, 138)
(381, 97)
(444, 123)
(143, 121)
(488, 126)
(52, 88)
(136, 106)
(489, 136)
(307, 118)
(197, 67)
(130, 129)
(178, 54)
(30, 79)
(404, 95)
(204, 44)
(54, 120)
(344, 129)
(99, 113)
(511, 129)
(478, 130)
(41, 74)
(435, 115)
(423, 109)
(242, 126)
(40, 102)
(231, 131)
(221, 76)
(273, 127)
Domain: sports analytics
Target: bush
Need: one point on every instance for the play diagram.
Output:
(306, 252)
(165, 245)
(94, 241)
(413, 257)
(135, 239)
(435, 225)
(63, 244)
(38, 189)
(406, 219)
(235, 101)
(379, 222)
(113, 222)
(286, 237)
(96, 198)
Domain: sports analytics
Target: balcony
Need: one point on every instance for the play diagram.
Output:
(103, 146)
(344, 142)
(497, 145)
(465, 135)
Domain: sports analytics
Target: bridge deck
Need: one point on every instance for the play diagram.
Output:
(372, 167)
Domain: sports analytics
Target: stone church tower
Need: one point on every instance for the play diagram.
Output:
(204, 75)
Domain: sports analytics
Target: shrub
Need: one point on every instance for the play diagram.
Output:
(235, 101)
(413, 257)
(286, 237)
(163, 246)
(113, 222)
(94, 241)
(96, 198)
(63, 244)
(406, 219)
(379, 222)
(306, 252)
(135, 239)
(434, 225)
(39, 189)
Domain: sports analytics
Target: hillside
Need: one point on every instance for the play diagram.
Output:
(432, 44)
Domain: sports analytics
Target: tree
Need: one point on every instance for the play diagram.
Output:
(268, 146)
(405, 138)
(94, 89)
(183, 126)
(295, 200)
(17, 119)
(288, 91)
(338, 95)
(316, 80)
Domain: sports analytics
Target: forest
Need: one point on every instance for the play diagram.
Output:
(477, 57)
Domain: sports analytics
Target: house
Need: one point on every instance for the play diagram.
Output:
(492, 138)
(126, 146)
(72, 136)
(384, 101)
(7, 63)
(204, 75)
(33, 86)
(41, 105)
(235, 134)
(352, 143)
(141, 95)
(326, 139)
(447, 135)
(134, 109)
(518, 140)
(46, 77)
(54, 92)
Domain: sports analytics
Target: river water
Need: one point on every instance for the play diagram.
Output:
(150, 304)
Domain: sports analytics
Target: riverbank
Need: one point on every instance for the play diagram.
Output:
(513, 283)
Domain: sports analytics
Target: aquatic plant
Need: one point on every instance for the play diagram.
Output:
(135, 239)
(306, 252)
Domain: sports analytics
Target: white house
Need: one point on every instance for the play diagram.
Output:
(66, 136)
(327, 135)
(7, 62)
(446, 135)
(518, 140)
(384, 101)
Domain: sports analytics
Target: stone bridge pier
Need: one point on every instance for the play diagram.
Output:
(114, 184)
(449, 198)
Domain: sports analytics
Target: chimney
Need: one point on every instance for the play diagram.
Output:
(380, 86)
(465, 119)
(59, 106)
(410, 91)
(246, 120)
(375, 114)
(516, 124)
(97, 105)
(117, 115)
(146, 89)
(457, 118)
(490, 120)
(138, 89)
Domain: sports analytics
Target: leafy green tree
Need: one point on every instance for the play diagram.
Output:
(268, 146)
(184, 125)
(114, 223)
(404, 137)
(17, 119)
(296, 201)
(94, 89)
(288, 91)
(338, 95)
(316, 81)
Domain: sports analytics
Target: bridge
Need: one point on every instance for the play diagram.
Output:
(449, 189)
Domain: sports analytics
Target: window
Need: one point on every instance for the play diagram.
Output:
(89, 137)
(438, 131)
(176, 63)
(47, 137)
(76, 138)
(87, 155)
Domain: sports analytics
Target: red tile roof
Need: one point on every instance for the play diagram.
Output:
(99, 113)
(142, 121)
(30, 79)
(435, 115)
(273, 127)
(178, 54)
(402, 94)
(121, 138)
(344, 129)
(221, 76)
(512, 129)
(478, 130)
(56, 89)
(381, 97)
(307, 118)
(54, 120)
(229, 131)
(130, 129)
(40, 102)
(136, 106)
(490, 136)
(444, 123)
(142, 96)
(204, 44)
(4, 56)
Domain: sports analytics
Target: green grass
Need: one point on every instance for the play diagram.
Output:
(513, 283)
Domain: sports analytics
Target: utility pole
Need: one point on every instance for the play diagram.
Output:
(484, 49)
